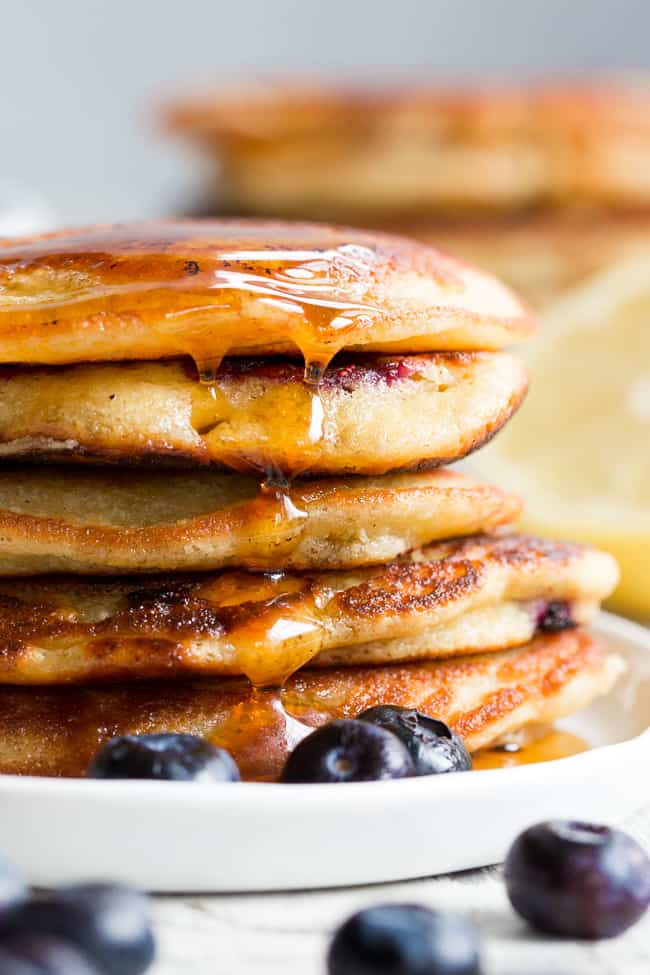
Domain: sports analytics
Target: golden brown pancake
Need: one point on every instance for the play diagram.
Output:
(481, 593)
(207, 289)
(543, 253)
(368, 416)
(484, 698)
(88, 521)
(305, 150)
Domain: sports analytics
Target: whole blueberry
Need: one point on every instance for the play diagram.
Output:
(13, 889)
(348, 751)
(30, 953)
(163, 756)
(578, 880)
(404, 939)
(432, 745)
(107, 922)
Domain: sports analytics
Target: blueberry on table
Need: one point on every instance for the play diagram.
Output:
(432, 745)
(31, 953)
(578, 880)
(163, 756)
(348, 751)
(404, 939)
(108, 923)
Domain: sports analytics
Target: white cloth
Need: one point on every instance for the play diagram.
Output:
(288, 934)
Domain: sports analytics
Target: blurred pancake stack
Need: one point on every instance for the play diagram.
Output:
(224, 508)
(547, 185)
(541, 183)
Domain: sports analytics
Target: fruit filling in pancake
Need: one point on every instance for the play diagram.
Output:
(484, 698)
(107, 522)
(467, 595)
(368, 415)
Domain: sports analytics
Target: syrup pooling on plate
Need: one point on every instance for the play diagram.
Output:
(547, 748)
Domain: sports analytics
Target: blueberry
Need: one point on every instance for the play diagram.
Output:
(578, 880)
(30, 953)
(404, 939)
(432, 745)
(163, 756)
(348, 751)
(555, 615)
(107, 922)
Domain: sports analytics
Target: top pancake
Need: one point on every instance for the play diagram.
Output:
(205, 289)
(316, 151)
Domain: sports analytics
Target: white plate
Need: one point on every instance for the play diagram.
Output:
(177, 837)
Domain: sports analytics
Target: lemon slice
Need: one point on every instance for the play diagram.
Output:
(579, 449)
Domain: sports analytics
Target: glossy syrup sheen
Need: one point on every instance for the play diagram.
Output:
(550, 746)
(190, 282)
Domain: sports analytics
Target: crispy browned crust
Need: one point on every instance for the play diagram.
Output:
(370, 415)
(211, 288)
(98, 522)
(61, 630)
(56, 732)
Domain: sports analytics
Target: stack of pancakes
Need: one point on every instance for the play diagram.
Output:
(542, 183)
(221, 503)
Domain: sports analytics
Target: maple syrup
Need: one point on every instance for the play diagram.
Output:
(197, 289)
(548, 747)
(261, 733)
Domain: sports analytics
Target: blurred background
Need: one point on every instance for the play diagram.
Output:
(80, 80)
(550, 191)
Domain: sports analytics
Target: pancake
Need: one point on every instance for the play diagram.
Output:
(484, 698)
(543, 253)
(305, 150)
(368, 416)
(480, 593)
(206, 289)
(62, 519)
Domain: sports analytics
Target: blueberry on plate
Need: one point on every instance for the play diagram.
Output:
(404, 939)
(163, 756)
(432, 745)
(30, 953)
(109, 923)
(348, 751)
(578, 880)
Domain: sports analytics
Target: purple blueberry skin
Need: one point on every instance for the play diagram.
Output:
(578, 880)
(404, 939)
(432, 745)
(348, 751)
(31, 953)
(108, 923)
(555, 615)
(176, 757)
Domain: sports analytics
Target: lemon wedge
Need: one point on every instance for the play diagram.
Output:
(579, 449)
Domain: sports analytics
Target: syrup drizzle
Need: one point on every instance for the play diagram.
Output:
(206, 298)
(261, 733)
(199, 289)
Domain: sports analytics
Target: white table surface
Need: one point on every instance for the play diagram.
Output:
(288, 934)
